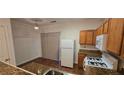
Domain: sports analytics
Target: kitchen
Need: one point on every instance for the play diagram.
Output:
(65, 46)
(61, 46)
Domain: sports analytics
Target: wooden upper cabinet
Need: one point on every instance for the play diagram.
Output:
(115, 34)
(89, 37)
(82, 37)
(105, 29)
(122, 50)
(94, 38)
(99, 31)
(86, 37)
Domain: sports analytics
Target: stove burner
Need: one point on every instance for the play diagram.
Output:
(89, 58)
(103, 64)
(97, 64)
(92, 63)
(96, 61)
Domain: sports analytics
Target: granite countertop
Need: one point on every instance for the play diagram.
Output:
(90, 48)
(99, 71)
(36, 68)
(90, 52)
(40, 69)
(6, 69)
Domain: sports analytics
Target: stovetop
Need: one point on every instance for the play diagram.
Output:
(96, 61)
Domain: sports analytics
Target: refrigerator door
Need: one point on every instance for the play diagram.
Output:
(67, 44)
(67, 57)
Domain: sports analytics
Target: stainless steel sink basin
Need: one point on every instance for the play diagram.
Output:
(55, 72)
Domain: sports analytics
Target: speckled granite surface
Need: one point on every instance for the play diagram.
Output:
(99, 71)
(42, 65)
(9, 70)
(90, 52)
(35, 68)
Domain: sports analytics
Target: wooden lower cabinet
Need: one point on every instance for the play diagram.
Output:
(81, 60)
(122, 50)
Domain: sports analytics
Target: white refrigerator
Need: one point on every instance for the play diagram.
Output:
(67, 53)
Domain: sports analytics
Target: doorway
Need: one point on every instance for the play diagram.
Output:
(50, 45)
(4, 54)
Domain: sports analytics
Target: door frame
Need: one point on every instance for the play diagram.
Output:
(58, 56)
(5, 42)
(6, 24)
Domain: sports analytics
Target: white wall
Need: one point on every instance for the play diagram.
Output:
(6, 23)
(71, 30)
(27, 42)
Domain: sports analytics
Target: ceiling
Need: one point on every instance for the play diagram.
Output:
(46, 21)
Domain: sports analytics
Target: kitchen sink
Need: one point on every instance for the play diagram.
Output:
(55, 72)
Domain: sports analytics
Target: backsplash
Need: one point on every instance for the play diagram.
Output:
(112, 60)
(120, 62)
(87, 46)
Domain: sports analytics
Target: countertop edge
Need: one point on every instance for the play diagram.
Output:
(19, 68)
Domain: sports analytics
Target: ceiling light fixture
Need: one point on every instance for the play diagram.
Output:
(36, 27)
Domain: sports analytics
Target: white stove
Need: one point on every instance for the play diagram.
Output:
(106, 62)
(96, 61)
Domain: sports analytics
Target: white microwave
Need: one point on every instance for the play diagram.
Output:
(101, 42)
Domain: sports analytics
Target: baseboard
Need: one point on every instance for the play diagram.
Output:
(33, 59)
(28, 61)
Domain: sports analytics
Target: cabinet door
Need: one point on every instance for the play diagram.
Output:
(115, 33)
(105, 30)
(80, 60)
(89, 37)
(82, 37)
(122, 50)
(99, 30)
(94, 37)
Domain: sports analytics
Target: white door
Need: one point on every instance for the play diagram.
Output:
(4, 54)
(50, 45)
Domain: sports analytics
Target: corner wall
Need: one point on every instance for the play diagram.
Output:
(27, 42)
(6, 23)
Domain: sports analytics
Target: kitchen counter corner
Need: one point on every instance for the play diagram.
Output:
(6, 69)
